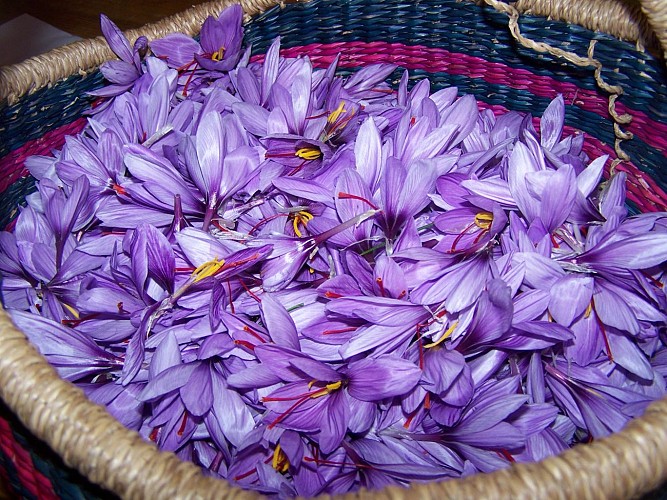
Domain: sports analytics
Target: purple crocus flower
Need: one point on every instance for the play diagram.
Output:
(124, 73)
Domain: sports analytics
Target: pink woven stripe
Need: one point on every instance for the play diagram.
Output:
(434, 59)
(31, 479)
(12, 166)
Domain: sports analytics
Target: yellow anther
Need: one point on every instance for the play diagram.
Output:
(327, 389)
(207, 269)
(335, 114)
(218, 54)
(483, 220)
(309, 153)
(280, 461)
(302, 217)
(447, 334)
(589, 309)
(334, 386)
(74, 312)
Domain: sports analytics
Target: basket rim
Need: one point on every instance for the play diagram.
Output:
(626, 20)
(89, 439)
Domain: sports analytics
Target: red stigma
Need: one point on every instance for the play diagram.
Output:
(339, 330)
(120, 190)
(348, 196)
(231, 302)
(332, 295)
(252, 332)
(461, 235)
(77, 322)
(249, 292)
(153, 435)
(507, 455)
(381, 286)
(184, 422)
(245, 344)
(607, 345)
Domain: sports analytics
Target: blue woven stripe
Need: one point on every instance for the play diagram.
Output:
(12, 197)
(457, 27)
(46, 109)
(472, 30)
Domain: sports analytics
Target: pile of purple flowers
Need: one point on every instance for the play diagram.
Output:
(311, 284)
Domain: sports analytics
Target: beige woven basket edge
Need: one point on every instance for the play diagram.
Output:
(624, 465)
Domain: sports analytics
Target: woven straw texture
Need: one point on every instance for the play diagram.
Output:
(616, 96)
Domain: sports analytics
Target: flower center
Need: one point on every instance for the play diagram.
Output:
(207, 269)
(218, 54)
(309, 153)
(446, 335)
(483, 220)
(301, 217)
(301, 398)
(280, 461)
(337, 121)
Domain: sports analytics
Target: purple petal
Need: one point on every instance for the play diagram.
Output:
(232, 414)
(368, 153)
(382, 377)
(640, 251)
(279, 323)
(197, 393)
(177, 48)
(116, 39)
(551, 124)
(570, 296)
(627, 354)
(169, 380)
(558, 198)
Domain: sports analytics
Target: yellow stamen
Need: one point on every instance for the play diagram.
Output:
(74, 312)
(483, 220)
(589, 309)
(302, 217)
(207, 269)
(218, 54)
(327, 389)
(280, 461)
(447, 334)
(335, 114)
(309, 153)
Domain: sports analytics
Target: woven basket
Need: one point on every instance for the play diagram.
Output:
(516, 56)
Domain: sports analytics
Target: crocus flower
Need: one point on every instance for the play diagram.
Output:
(124, 73)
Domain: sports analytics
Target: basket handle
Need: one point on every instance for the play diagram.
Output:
(656, 13)
(643, 21)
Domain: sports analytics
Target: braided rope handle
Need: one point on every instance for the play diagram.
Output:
(644, 22)
(656, 13)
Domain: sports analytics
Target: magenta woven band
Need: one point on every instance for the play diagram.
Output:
(12, 166)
